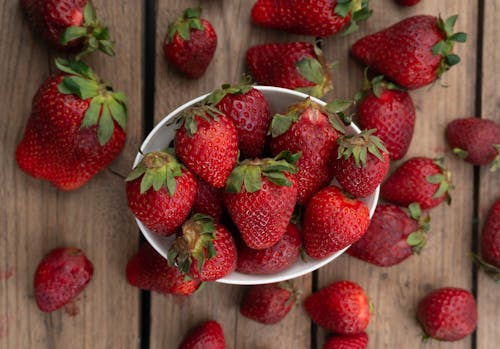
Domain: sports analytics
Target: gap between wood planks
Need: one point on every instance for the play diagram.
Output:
(476, 177)
(149, 50)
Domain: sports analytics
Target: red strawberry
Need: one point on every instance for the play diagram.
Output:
(392, 236)
(448, 314)
(272, 259)
(475, 140)
(248, 109)
(310, 17)
(341, 307)
(357, 341)
(362, 163)
(421, 180)
(407, 2)
(490, 243)
(148, 270)
(161, 192)
(207, 143)
(260, 196)
(207, 336)
(76, 128)
(208, 200)
(60, 277)
(308, 128)
(68, 25)
(268, 304)
(332, 221)
(203, 249)
(190, 43)
(295, 65)
(412, 53)
(391, 112)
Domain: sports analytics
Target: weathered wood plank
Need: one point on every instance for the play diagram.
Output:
(396, 291)
(35, 217)
(231, 20)
(489, 182)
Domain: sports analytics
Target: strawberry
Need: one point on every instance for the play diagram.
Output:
(475, 140)
(68, 25)
(448, 314)
(310, 17)
(332, 221)
(207, 143)
(260, 196)
(161, 192)
(272, 259)
(356, 341)
(341, 307)
(61, 275)
(148, 270)
(490, 243)
(414, 52)
(75, 129)
(392, 236)
(391, 112)
(190, 43)
(407, 2)
(209, 335)
(362, 163)
(313, 130)
(248, 109)
(268, 304)
(295, 65)
(203, 249)
(421, 180)
(208, 200)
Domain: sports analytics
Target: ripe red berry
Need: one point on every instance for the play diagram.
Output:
(332, 221)
(148, 270)
(268, 304)
(272, 259)
(190, 43)
(475, 140)
(341, 307)
(209, 335)
(448, 314)
(60, 277)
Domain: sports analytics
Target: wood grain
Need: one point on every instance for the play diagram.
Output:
(36, 218)
(488, 292)
(395, 291)
(235, 33)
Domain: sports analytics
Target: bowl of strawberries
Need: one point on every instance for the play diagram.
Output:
(255, 184)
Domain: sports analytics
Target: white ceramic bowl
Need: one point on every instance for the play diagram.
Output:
(160, 137)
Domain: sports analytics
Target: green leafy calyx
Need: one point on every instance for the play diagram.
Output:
(360, 145)
(203, 111)
(158, 170)
(95, 36)
(443, 179)
(281, 123)
(418, 238)
(249, 173)
(495, 164)
(195, 244)
(444, 47)
(216, 96)
(183, 25)
(316, 71)
(490, 269)
(359, 10)
(106, 106)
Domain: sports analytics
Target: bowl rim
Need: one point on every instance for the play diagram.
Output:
(250, 279)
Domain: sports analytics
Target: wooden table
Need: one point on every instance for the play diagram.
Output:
(35, 217)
